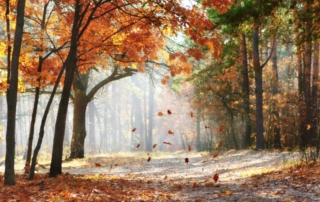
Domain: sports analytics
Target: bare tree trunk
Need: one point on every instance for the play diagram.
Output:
(314, 102)
(150, 118)
(199, 148)
(13, 71)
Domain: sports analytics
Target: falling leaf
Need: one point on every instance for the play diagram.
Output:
(191, 114)
(206, 127)
(186, 160)
(221, 128)
(308, 127)
(138, 145)
(134, 130)
(149, 159)
(167, 143)
(160, 114)
(214, 156)
(216, 177)
(189, 148)
(194, 185)
(219, 145)
(170, 132)
(97, 164)
(169, 112)
(154, 146)
(165, 177)
(229, 192)
(204, 161)
(116, 164)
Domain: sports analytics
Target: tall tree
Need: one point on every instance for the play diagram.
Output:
(13, 69)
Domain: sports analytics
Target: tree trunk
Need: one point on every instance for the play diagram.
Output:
(150, 126)
(13, 71)
(314, 102)
(258, 91)
(92, 127)
(246, 93)
(199, 148)
(56, 159)
(276, 129)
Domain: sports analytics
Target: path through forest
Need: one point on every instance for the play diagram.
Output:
(243, 176)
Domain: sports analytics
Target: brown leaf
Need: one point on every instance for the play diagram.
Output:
(194, 185)
(154, 146)
(219, 145)
(165, 177)
(186, 160)
(189, 148)
(169, 112)
(214, 156)
(170, 132)
(138, 145)
(134, 130)
(149, 159)
(167, 143)
(191, 114)
(206, 127)
(221, 128)
(116, 164)
(160, 114)
(97, 164)
(216, 177)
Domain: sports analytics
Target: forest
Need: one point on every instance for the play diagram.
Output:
(159, 100)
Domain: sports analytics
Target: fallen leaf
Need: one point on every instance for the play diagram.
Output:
(170, 132)
(191, 114)
(214, 156)
(229, 192)
(204, 161)
(134, 129)
(116, 164)
(169, 112)
(189, 148)
(149, 159)
(165, 177)
(154, 146)
(186, 160)
(97, 164)
(216, 177)
(221, 128)
(167, 143)
(138, 145)
(160, 114)
(194, 185)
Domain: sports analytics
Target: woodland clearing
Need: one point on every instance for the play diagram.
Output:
(245, 175)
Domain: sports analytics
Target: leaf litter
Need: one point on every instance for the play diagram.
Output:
(232, 176)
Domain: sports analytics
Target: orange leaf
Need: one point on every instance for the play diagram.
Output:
(97, 164)
(134, 130)
(214, 156)
(116, 164)
(194, 185)
(191, 114)
(149, 159)
(167, 143)
(221, 128)
(165, 177)
(160, 114)
(170, 132)
(138, 145)
(189, 148)
(169, 112)
(216, 177)
(154, 146)
(186, 160)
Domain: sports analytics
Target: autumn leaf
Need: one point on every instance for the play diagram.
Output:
(186, 160)
(194, 185)
(116, 164)
(216, 177)
(169, 112)
(206, 127)
(138, 145)
(229, 192)
(134, 130)
(149, 159)
(170, 132)
(154, 146)
(191, 114)
(214, 156)
(219, 145)
(160, 114)
(221, 128)
(165, 177)
(167, 143)
(189, 148)
(97, 164)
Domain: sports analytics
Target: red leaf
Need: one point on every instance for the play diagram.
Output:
(191, 114)
(194, 185)
(221, 128)
(154, 146)
(134, 130)
(97, 164)
(169, 112)
(216, 177)
(116, 164)
(186, 160)
(189, 148)
(206, 127)
(214, 156)
(170, 132)
(149, 159)
(219, 145)
(167, 143)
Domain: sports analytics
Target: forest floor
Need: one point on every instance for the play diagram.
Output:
(240, 176)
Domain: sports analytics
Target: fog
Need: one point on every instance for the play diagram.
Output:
(117, 119)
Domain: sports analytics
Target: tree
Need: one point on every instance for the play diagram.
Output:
(13, 66)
